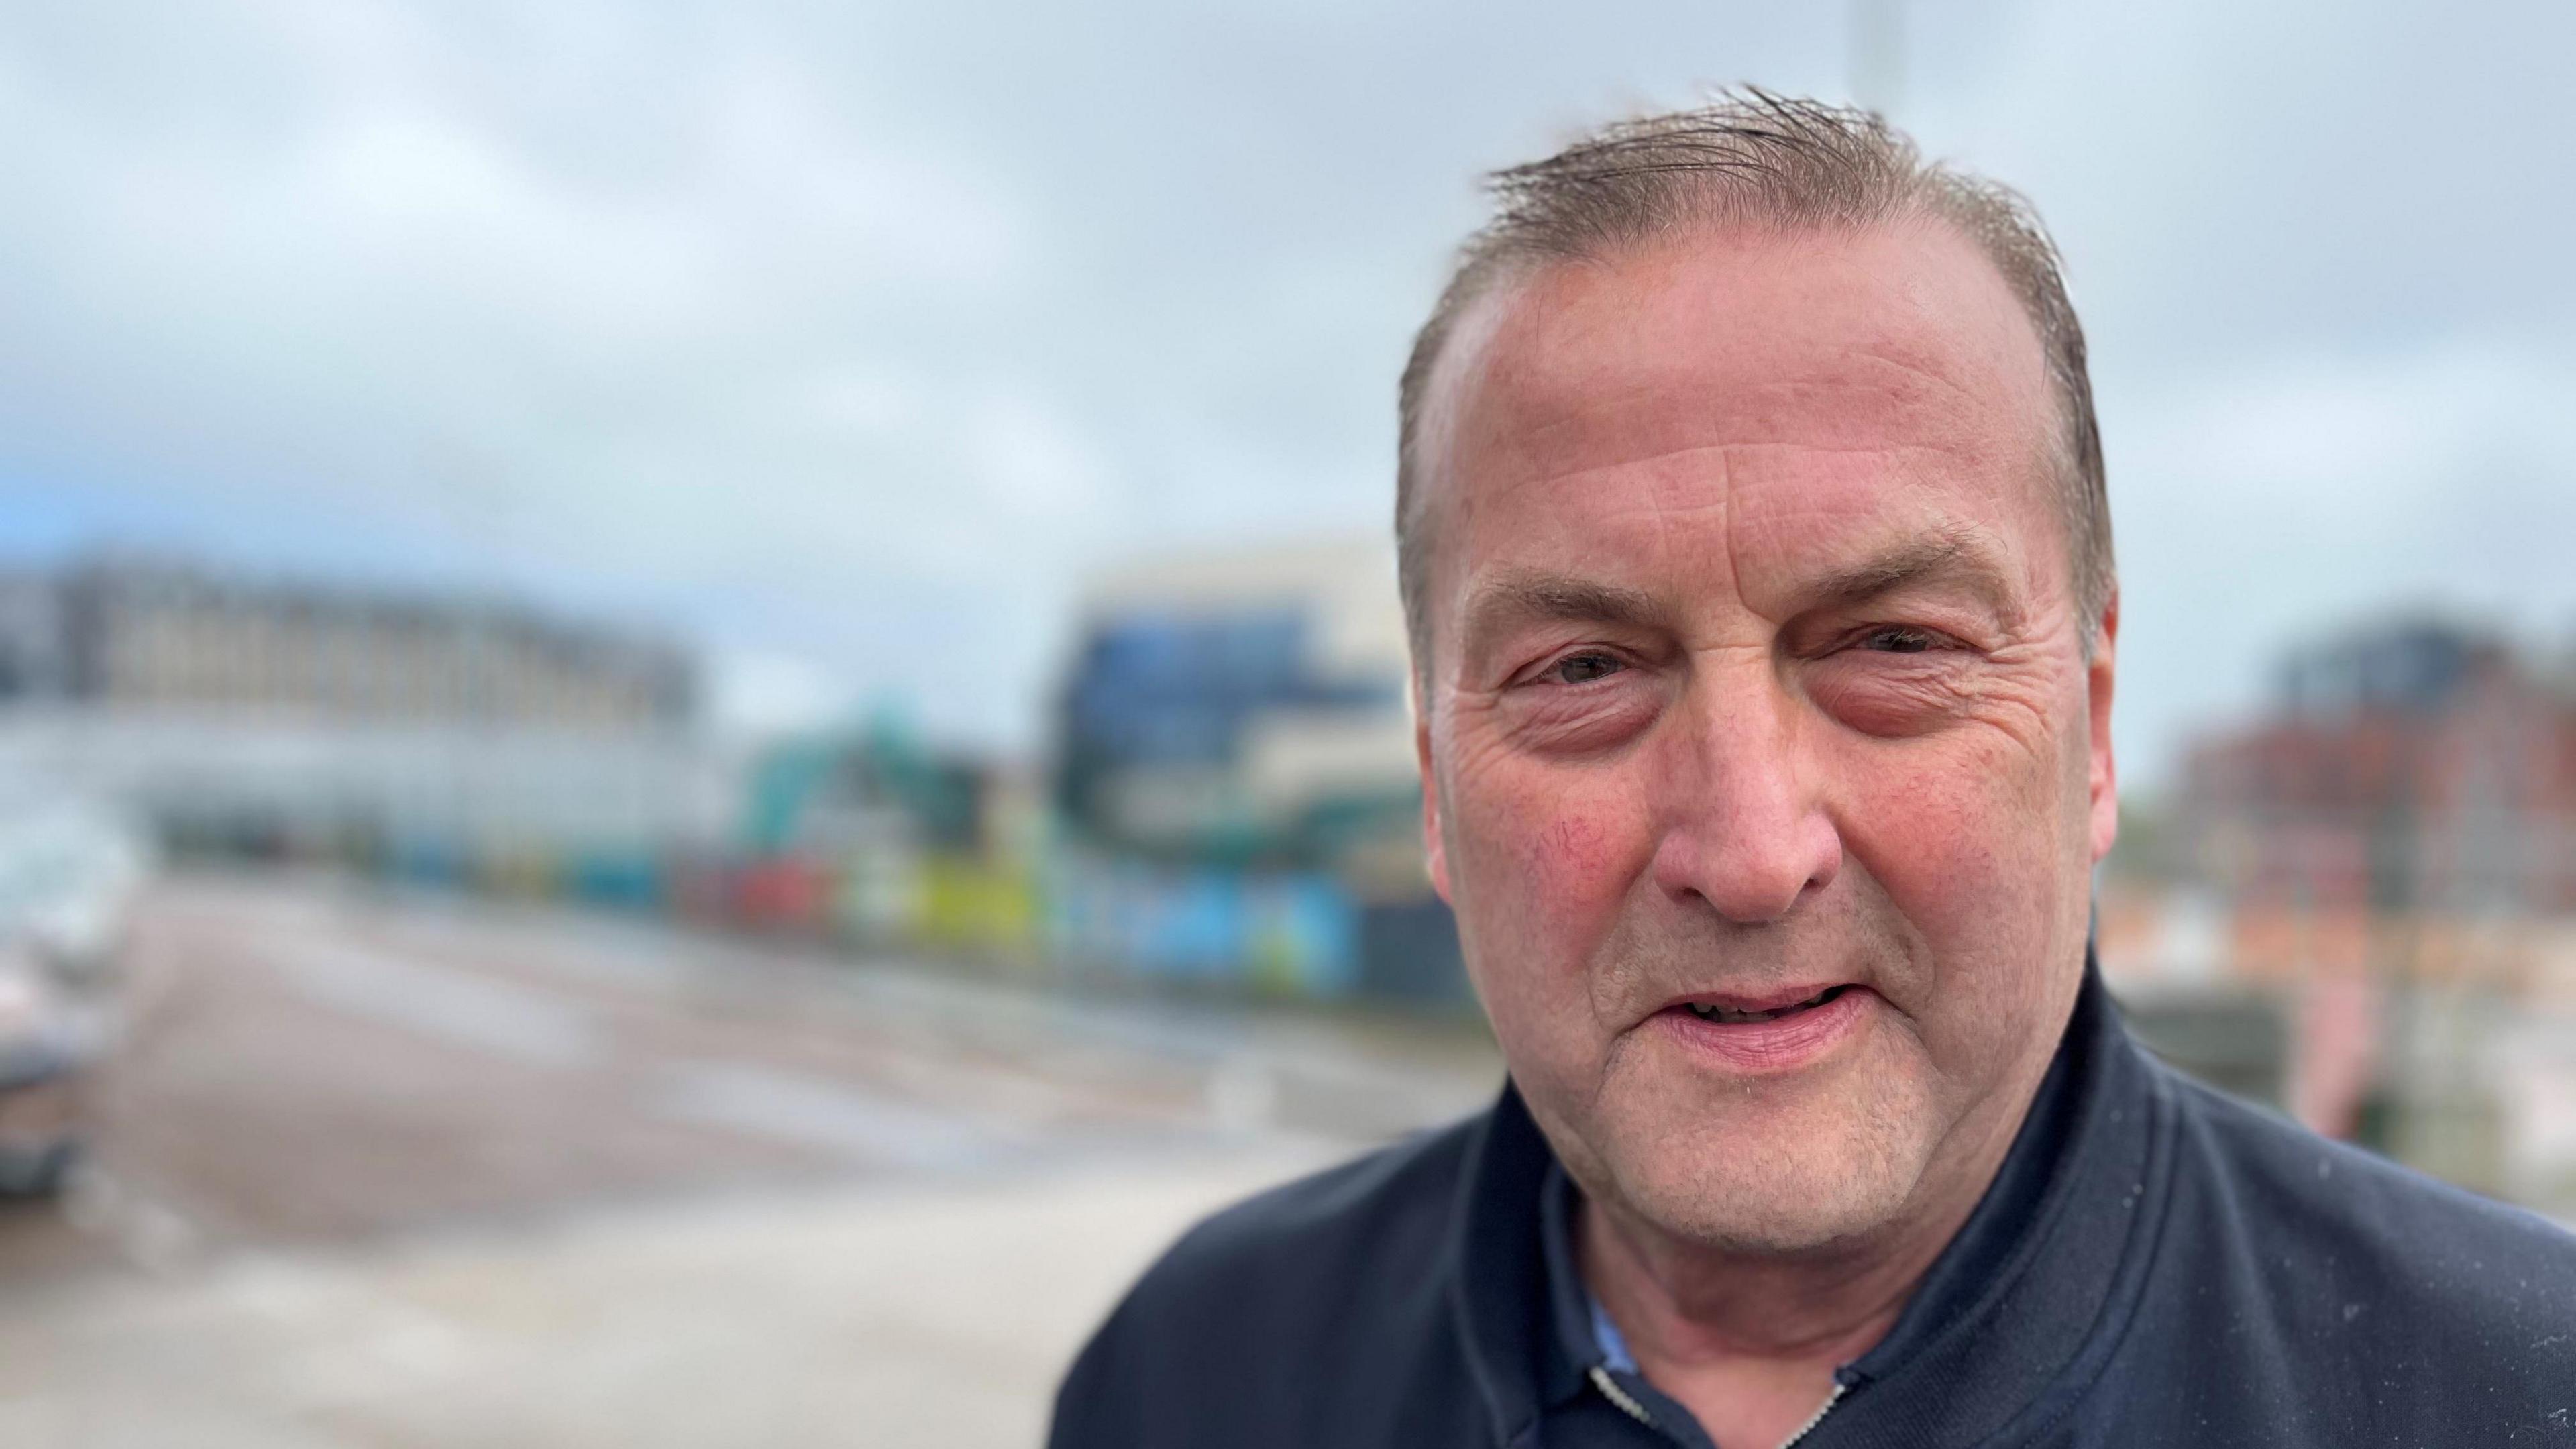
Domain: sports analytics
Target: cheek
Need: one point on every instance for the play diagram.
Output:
(1969, 851)
(1541, 860)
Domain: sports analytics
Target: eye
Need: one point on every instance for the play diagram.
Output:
(1583, 668)
(1899, 639)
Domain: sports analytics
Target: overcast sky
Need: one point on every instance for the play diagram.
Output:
(849, 339)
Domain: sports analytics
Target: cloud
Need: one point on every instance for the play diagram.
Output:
(863, 333)
(2259, 506)
(754, 694)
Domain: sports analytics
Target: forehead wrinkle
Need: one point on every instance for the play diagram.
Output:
(1536, 477)
(1931, 379)
(1655, 484)
(1929, 374)
(1577, 435)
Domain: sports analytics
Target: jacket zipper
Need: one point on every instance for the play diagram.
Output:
(1818, 1417)
(1627, 1404)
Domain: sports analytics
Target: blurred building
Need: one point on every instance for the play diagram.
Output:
(2362, 904)
(2414, 767)
(1236, 776)
(132, 637)
(1246, 706)
(35, 645)
(875, 837)
(438, 736)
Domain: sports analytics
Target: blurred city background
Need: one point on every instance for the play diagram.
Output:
(701, 706)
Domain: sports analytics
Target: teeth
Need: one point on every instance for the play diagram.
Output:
(1731, 1016)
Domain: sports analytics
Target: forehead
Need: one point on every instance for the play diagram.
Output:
(1788, 379)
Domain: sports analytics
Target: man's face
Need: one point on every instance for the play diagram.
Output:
(1755, 680)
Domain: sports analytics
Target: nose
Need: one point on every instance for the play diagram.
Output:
(1744, 828)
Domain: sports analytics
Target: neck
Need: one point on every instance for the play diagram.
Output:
(1682, 1306)
(1749, 1341)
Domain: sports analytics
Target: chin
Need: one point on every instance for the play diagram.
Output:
(1748, 1176)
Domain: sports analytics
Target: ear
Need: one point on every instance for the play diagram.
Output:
(1435, 853)
(2105, 777)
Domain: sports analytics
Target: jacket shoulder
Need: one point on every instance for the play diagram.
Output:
(1332, 1278)
(2318, 1197)
(2344, 1275)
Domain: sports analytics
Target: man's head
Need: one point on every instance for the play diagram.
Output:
(1759, 578)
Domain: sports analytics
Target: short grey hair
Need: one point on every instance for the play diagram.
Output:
(1750, 157)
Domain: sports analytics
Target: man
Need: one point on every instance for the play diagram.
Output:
(1759, 573)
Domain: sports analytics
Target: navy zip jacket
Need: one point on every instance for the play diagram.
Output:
(2155, 1264)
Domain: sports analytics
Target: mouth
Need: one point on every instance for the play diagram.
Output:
(1765, 1034)
(1719, 1011)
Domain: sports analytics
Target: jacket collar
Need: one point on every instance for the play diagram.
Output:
(2016, 1313)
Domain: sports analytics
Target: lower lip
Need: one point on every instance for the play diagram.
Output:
(1778, 1045)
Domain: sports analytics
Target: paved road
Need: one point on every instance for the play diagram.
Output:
(385, 1170)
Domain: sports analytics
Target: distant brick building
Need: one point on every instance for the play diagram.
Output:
(2414, 769)
(2389, 856)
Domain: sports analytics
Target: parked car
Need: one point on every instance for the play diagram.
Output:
(68, 874)
(48, 1042)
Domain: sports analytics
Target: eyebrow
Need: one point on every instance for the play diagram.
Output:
(1558, 596)
(1942, 556)
(1952, 555)
(1514, 595)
